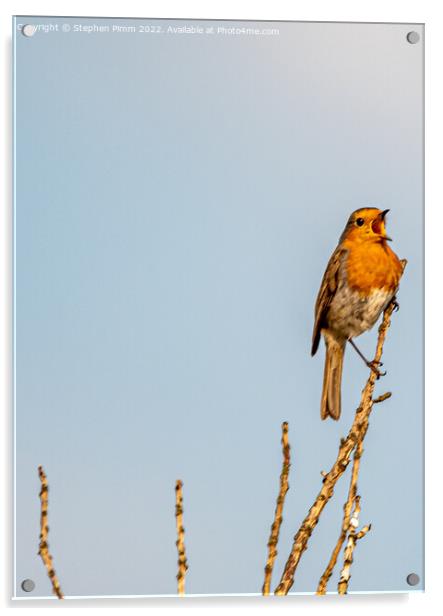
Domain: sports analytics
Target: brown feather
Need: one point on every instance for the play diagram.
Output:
(331, 395)
(326, 294)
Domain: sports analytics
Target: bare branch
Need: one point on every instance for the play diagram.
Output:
(353, 537)
(355, 435)
(44, 546)
(278, 516)
(347, 508)
(180, 543)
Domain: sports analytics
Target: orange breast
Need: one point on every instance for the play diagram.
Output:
(372, 265)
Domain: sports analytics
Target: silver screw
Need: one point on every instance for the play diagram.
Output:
(29, 30)
(412, 579)
(413, 37)
(28, 585)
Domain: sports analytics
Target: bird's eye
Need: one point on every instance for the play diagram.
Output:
(359, 222)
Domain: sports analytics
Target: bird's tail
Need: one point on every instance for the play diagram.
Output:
(331, 395)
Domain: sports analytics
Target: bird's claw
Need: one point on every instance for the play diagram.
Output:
(373, 366)
(395, 304)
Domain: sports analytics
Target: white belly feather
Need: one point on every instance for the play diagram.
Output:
(353, 314)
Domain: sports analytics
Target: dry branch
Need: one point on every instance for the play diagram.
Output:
(278, 516)
(44, 546)
(353, 537)
(347, 509)
(355, 436)
(180, 543)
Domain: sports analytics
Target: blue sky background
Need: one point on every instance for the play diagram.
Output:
(177, 199)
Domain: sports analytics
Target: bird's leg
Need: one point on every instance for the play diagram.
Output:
(370, 364)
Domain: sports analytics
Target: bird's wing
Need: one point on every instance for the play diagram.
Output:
(326, 294)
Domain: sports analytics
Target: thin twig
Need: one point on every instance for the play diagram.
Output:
(278, 516)
(180, 543)
(44, 546)
(382, 398)
(347, 445)
(353, 537)
(347, 508)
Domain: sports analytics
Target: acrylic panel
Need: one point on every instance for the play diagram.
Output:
(179, 189)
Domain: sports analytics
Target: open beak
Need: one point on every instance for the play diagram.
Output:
(378, 226)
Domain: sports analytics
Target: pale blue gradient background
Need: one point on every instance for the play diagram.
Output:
(177, 199)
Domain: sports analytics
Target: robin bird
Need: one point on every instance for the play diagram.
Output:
(361, 279)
